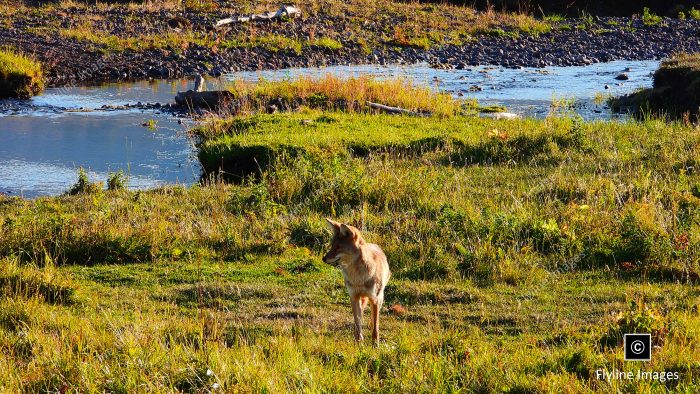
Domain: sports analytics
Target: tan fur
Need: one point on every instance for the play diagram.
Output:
(365, 270)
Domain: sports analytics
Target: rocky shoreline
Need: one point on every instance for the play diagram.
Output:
(568, 43)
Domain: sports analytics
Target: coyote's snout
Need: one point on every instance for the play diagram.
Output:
(365, 271)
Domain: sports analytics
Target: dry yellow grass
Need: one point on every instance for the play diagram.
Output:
(350, 94)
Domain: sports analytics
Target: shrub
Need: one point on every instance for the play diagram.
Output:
(642, 240)
(83, 185)
(649, 18)
(116, 181)
(638, 318)
(674, 93)
(694, 14)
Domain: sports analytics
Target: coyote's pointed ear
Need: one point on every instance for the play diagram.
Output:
(345, 231)
(333, 226)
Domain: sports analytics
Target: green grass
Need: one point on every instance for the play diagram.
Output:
(280, 43)
(20, 75)
(109, 43)
(694, 14)
(555, 18)
(521, 252)
(326, 43)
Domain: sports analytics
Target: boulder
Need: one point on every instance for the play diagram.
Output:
(212, 100)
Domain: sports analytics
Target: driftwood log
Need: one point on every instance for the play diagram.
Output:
(211, 100)
(395, 110)
(287, 11)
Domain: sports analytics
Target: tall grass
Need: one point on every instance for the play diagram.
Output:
(348, 94)
(20, 75)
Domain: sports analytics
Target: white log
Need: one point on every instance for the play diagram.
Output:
(395, 110)
(286, 11)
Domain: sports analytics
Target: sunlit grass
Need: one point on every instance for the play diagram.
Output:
(520, 252)
(350, 94)
(20, 75)
(114, 43)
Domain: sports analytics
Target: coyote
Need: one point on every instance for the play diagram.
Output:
(365, 270)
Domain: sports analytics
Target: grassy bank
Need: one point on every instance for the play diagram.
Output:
(20, 75)
(521, 252)
(675, 94)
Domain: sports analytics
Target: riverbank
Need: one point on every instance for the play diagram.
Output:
(88, 45)
(674, 94)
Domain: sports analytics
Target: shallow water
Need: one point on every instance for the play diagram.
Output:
(42, 144)
(526, 91)
(45, 140)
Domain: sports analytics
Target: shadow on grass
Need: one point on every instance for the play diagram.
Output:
(15, 286)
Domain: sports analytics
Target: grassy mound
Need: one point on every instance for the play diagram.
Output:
(246, 145)
(675, 94)
(20, 75)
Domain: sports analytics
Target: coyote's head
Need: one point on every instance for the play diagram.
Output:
(346, 242)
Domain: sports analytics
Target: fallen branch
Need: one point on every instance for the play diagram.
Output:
(395, 110)
(287, 11)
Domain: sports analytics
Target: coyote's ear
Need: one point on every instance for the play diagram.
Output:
(333, 226)
(345, 231)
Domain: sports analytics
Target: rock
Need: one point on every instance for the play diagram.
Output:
(622, 77)
(502, 116)
(210, 100)
(179, 23)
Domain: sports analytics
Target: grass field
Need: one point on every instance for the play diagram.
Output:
(521, 252)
